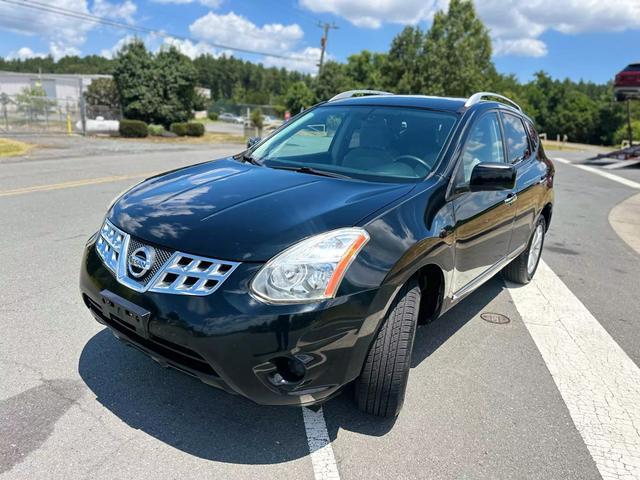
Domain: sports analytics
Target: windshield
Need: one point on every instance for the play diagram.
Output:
(372, 143)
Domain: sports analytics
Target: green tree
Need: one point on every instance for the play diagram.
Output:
(622, 133)
(34, 102)
(298, 97)
(158, 89)
(256, 118)
(331, 81)
(175, 78)
(404, 70)
(364, 70)
(458, 52)
(134, 74)
(102, 91)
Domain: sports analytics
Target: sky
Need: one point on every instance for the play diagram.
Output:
(579, 39)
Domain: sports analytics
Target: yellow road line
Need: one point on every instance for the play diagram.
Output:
(72, 184)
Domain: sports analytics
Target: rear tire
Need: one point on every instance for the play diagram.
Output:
(381, 387)
(521, 270)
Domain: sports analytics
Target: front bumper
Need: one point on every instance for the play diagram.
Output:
(232, 341)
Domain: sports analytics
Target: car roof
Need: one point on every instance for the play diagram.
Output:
(447, 104)
(416, 101)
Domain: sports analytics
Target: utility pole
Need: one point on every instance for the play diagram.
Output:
(323, 41)
(629, 129)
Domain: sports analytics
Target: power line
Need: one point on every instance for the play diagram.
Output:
(35, 5)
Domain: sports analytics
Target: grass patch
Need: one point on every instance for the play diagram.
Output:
(574, 147)
(208, 138)
(12, 148)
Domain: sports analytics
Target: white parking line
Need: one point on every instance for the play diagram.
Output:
(597, 380)
(610, 176)
(324, 463)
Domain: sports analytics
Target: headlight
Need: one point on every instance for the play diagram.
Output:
(310, 270)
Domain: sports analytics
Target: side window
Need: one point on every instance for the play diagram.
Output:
(515, 137)
(484, 144)
(533, 136)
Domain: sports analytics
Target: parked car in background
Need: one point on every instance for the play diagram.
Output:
(230, 118)
(307, 262)
(627, 82)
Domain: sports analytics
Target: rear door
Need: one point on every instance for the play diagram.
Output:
(522, 151)
(483, 220)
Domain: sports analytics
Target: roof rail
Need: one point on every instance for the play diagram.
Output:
(353, 93)
(478, 97)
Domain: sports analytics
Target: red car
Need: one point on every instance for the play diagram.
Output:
(627, 82)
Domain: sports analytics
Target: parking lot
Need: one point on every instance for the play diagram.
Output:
(485, 400)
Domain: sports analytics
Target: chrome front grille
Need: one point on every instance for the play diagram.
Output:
(109, 245)
(162, 256)
(169, 272)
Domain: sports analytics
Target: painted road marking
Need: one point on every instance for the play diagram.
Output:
(597, 380)
(73, 184)
(610, 176)
(324, 463)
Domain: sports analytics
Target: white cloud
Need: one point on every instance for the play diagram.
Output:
(65, 35)
(207, 3)
(111, 52)
(59, 49)
(302, 61)
(373, 13)
(154, 42)
(124, 10)
(190, 49)
(24, 53)
(515, 25)
(236, 31)
(521, 47)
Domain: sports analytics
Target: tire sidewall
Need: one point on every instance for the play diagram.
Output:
(541, 221)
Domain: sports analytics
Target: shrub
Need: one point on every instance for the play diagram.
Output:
(212, 116)
(256, 118)
(191, 129)
(179, 129)
(133, 129)
(156, 130)
(195, 129)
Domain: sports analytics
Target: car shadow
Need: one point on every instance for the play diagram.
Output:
(211, 424)
(429, 338)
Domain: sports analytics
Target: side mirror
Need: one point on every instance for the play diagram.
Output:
(252, 141)
(490, 176)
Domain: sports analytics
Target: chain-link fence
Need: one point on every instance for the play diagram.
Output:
(40, 114)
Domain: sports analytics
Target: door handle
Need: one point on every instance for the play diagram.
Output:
(512, 197)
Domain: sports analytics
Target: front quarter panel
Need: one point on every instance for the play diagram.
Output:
(413, 234)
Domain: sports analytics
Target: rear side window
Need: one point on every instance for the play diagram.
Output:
(533, 135)
(515, 137)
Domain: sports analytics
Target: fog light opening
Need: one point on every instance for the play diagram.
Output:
(288, 370)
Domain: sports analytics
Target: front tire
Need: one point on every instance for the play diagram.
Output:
(522, 269)
(381, 387)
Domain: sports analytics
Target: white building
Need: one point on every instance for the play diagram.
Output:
(61, 86)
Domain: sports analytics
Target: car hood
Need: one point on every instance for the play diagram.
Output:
(237, 211)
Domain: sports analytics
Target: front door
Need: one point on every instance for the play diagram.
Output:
(523, 150)
(484, 220)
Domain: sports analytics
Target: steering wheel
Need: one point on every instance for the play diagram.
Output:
(413, 159)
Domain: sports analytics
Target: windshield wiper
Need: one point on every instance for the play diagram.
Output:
(311, 171)
(248, 158)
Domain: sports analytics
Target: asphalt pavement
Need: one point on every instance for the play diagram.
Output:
(485, 400)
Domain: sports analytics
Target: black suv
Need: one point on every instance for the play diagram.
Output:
(306, 262)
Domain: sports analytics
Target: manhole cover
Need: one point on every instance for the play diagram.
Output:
(495, 318)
